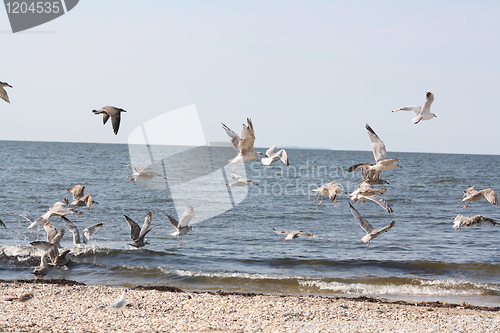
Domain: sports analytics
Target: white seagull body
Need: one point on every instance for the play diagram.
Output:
(469, 221)
(471, 194)
(292, 234)
(120, 303)
(244, 143)
(182, 226)
(273, 156)
(371, 232)
(421, 112)
(137, 233)
(332, 190)
(3, 93)
(142, 173)
(113, 113)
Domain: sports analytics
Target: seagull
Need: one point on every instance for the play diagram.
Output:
(366, 192)
(142, 173)
(114, 113)
(372, 177)
(471, 194)
(182, 225)
(3, 93)
(120, 303)
(332, 190)
(25, 299)
(79, 199)
(59, 209)
(43, 269)
(87, 232)
(243, 143)
(273, 156)
(371, 232)
(60, 260)
(137, 234)
(421, 112)
(380, 154)
(240, 181)
(33, 222)
(292, 234)
(469, 221)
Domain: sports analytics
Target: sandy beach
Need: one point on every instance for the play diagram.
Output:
(65, 306)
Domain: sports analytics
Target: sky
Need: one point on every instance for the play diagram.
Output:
(309, 73)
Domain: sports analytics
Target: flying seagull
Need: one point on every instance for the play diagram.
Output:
(240, 181)
(471, 194)
(332, 190)
(60, 260)
(469, 221)
(366, 192)
(137, 233)
(273, 156)
(87, 232)
(80, 199)
(421, 112)
(292, 234)
(383, 163)
(59, 209)
(182, 226)
(243, 143)
(3, 93)
(142, 173)
(371, 232)
(33, 222)
(114, 113)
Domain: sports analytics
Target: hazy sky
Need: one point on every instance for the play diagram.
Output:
(308, 73)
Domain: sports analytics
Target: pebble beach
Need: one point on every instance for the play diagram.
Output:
(66, 306)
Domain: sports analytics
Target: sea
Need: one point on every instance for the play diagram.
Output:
(232, 246)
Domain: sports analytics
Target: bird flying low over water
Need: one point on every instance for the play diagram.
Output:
(113, 113)
(137, 233)
(332, 190)
(80, 199)
(238, 180)
(383, 163)
(142, 173)
(469, 221)
(87, 232)
(371, 232)
(3, 93)
(421, 112)
(471, 194)
(366, 192)
(292, 234)
(243, 143)
(272, 156)
(182, 226)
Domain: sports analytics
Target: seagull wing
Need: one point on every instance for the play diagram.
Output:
(134, 228)
(3, 95)
(378, 145)
(186, 217)
(77, 191)
(280, 232)
(306, 234)
(171, 219)
(247, 138)
(490, 195)
(378, 199)
(284, 157)
(147, 223)
(387, 227)
(73, 229)
(89, 231)
(416, 109)
(235, 139)
(271, 151)
(365, 225)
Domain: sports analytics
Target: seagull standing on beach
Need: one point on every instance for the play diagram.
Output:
(469, 221)
(292, 234)
(244, 143)
(3, 93)
(371, 232)
(273, 156)
(114, 113)
(137, 233)
(471, 194)
(383, 163)
(421, 112)
(332, 190)
(120, 303)
(182, 226)
(25, 298)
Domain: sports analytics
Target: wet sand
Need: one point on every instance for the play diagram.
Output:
(67, 306)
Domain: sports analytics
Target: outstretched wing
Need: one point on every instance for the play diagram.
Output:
(77, 191)
(146, 225)
(186, 217)
(235, 139)
(134, 228)
(490, 195)
(378, 146)
(247, 138)
(365, 225)
(378, 199)
(171, 219)
(387, 227)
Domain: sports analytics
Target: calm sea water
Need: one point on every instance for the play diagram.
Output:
(232, 246)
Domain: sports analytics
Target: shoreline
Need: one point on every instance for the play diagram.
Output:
(65, 305)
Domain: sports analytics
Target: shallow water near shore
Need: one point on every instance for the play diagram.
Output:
(232, 246)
